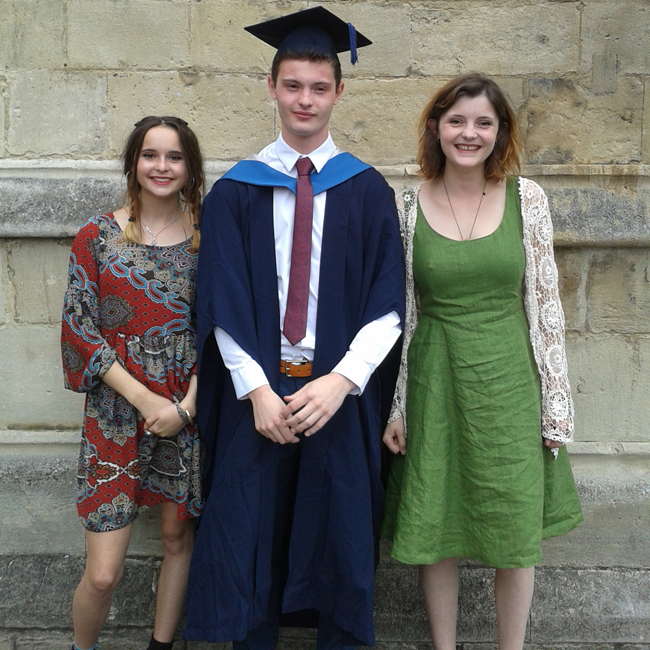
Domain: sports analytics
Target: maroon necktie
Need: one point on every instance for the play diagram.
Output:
(295, 317)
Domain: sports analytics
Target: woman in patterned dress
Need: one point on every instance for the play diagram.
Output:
(128, 342)
(483, 389)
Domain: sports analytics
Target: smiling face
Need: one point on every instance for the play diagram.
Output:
(306, 93)
(161, 170)
(467, 132)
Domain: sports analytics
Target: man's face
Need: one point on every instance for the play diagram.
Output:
(305, 92)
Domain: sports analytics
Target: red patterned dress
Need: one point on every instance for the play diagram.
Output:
(132, 304)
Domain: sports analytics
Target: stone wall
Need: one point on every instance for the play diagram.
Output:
(76, 74)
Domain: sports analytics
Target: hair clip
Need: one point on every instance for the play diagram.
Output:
(196, 226)
(132, 219)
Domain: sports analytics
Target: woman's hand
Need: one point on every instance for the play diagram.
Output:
(552, 444)
(166, 422)
(394, 437)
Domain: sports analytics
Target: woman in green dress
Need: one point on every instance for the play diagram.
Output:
(483, 391)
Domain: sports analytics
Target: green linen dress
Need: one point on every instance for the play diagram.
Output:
(476, 480)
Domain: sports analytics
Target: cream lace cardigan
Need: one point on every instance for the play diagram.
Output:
(541, 301)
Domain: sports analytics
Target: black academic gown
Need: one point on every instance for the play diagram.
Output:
(339, 494)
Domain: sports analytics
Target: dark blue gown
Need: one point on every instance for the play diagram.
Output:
(339, 495)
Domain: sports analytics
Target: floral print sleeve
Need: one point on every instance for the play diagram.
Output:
(545, 314)
(87, 357)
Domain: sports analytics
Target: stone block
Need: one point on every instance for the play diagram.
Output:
(615, 496)
(219, 42)
(204, 645)
(618, 291)
(145, 535)
(56, 113)
(583, 605)
(2, 117)
(38, 502)
(646, 122)
(6, 310)
(38, 288)
(399, 606)
(31, 34)
(604, 73)
(605, 211)
(147, 34)
(497, 39)
(619, 28)
(610, 387)
(572, 266)
(561, 114)
(36, 592)
(231, 115)
(378, 122)
(32, 381)
(46, 206)
(388, 26)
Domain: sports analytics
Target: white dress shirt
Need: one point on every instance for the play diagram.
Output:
(371, 344)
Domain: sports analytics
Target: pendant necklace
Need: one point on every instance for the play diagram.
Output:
(453, 214)
(155, 234)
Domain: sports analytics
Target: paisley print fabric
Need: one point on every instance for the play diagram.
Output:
(130, 304)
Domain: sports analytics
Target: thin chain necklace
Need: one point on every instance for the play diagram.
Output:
(451, 207)
(155, 234)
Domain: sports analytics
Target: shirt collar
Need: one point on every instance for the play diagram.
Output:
(289, 157)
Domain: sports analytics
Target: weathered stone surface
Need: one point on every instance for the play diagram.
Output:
(604, 73)
(6, 643)
(388, 26)
(610, 388)
(605, 212)
(646, 122)
(378, 122)
(620, 28)
(55, 207)
(572, 265)
(219, 42)
(32, 381)
(619, 291)
(38, 125)
(232, 116)
(149, 34)
(31, 34)
(36, 591)
(496, 39)
(2, 117)
(573, 605)
(38, 502)
(112, 639)
(5, 307)
(561, 118)
(37, 269)
(399, 606)
(615, 497)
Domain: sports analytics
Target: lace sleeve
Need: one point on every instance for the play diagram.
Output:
(545, 314)
(407, 211)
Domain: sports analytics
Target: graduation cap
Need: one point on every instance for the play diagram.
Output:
(312, 31)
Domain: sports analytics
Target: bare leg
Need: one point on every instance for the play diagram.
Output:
(178, 540)
(513, 593)
(92, 598)
(439, 584)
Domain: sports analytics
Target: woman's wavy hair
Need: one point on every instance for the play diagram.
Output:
(192, 191)
(505, 159)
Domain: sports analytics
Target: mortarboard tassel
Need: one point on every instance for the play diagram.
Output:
(353, 44)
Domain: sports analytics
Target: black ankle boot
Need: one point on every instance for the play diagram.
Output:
(157, 645)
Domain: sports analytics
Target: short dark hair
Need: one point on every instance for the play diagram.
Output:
(193, 189)
(306, 56)
(505, 158)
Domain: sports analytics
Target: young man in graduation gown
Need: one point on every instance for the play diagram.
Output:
(300, 300)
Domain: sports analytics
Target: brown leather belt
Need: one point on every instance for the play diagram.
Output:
(296, 368)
